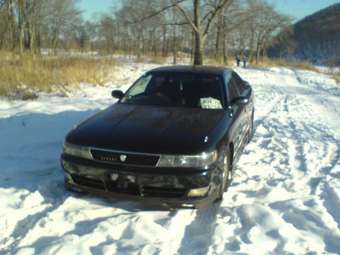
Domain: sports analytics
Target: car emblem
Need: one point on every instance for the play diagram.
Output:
(123, 158)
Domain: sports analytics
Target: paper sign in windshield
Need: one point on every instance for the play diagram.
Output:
(210, 103)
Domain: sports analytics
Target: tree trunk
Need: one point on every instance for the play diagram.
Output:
(192, 49)
(251, 50)
(225, 42)
(199, 38)
(258, 50)
(219, 28)
(199, 49)
(55, 40)
(143, 45)
(225, 51)
(32, 36)
(11, 39)
(138, 47)
(174, 46)
(21, 25)
(164, 41)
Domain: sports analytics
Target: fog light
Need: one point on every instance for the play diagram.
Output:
(198, 192)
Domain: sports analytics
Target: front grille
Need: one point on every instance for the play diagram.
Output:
(89, 182)
(163, 192)
(124, 158)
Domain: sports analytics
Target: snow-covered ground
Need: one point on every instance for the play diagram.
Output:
(285, 198)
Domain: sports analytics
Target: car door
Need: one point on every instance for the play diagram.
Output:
(236, 113)
(248, 104)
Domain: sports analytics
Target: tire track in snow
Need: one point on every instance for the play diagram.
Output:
(27, 224)
(291, 130)
(331, 149)
(314, 128)
(284, 127)
(272, 108)
(297, 138)
(331, 202)
(176, 226)
(198, 235)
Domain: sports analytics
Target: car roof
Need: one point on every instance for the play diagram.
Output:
(192, 69)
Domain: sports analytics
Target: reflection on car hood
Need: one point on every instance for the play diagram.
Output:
(152, 129)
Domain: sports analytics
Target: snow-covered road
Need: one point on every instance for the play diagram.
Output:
(285, 198)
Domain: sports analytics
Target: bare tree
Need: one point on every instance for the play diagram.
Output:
(265, 24)
(201, 22)
(200, 16)
(60, 19)
(8, 24)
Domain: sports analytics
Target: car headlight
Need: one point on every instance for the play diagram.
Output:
(77, 151)
(203, 160)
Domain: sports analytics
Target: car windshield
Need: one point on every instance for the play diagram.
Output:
(204, 91)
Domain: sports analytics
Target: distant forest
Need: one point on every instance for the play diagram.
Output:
(217, 28)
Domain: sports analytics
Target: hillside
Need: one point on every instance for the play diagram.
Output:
(315, 38)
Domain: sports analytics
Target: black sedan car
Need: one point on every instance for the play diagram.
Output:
(172, 139)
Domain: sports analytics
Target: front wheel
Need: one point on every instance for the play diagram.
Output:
(226, 176)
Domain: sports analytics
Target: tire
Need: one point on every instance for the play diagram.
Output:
(226, 175)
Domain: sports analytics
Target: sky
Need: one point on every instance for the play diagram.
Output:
(297, 9)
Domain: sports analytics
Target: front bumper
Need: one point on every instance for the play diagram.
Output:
(159, 186)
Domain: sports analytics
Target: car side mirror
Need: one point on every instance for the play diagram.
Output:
(117, 94)
(240, 100)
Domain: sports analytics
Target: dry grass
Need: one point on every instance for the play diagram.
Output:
(300, 65)
(28, 74)
(41, 73)
(266, 62)
(217, 61)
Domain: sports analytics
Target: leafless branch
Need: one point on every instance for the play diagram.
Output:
(186, 16)
(175, 24)
(156, 13)
(219, 8)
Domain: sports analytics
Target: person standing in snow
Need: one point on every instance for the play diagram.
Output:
(244, 59)
(238, 59)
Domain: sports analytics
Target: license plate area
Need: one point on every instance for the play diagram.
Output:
(145, 185)
(123, 183)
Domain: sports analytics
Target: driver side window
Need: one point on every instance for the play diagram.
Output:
(233, 90)
(243, 88)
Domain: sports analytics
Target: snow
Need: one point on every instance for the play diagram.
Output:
(285, 197)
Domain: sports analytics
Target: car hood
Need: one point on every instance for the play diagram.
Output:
(152, 129)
